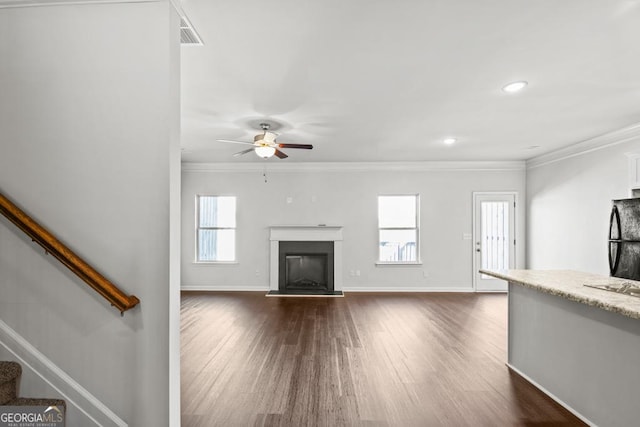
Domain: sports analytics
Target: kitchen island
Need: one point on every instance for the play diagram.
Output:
(578, 344)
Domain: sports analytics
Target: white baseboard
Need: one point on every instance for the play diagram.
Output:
(344, 289)
(404, 289)
(551, 395)
(224, 288)
(69, 390)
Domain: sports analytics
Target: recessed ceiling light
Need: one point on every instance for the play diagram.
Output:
(515, 86)
(449, 141)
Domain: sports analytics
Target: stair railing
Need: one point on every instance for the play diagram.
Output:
(66, 256)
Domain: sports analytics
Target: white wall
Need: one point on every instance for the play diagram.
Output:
(86, 116)
(569, 202)
(345, 195)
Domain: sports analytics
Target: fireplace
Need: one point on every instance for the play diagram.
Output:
(305, 267)
(305, 260)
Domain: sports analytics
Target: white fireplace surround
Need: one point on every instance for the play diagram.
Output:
(306, 233)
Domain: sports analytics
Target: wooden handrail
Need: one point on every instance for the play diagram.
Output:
(66, 256)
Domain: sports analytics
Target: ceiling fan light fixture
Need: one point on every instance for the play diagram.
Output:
(265, 145)
(514, 87)
(265, 151)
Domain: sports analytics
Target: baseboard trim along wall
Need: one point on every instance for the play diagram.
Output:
(264, 288)
(406, 289)
(72, 392)
(214, 288)
(551, 395)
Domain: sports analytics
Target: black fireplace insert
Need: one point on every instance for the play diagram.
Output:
(305, 267)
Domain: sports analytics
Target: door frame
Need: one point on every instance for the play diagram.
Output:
(475, 231)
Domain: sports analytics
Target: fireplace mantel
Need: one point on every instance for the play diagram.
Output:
(295, 233)
(301, 233)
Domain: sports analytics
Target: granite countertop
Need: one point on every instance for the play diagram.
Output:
(570, 284)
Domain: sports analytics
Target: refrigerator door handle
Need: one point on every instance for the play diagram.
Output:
(614, 241)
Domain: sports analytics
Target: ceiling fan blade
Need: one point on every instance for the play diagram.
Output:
(306, 146)
(240, 153)
(234, 142)
(280, 154)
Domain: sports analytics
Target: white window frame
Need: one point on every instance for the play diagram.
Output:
(198, 228)
(418, 260)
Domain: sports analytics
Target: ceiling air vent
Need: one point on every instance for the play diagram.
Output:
(188, 35)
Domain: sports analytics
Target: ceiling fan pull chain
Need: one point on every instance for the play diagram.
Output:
(264, 173)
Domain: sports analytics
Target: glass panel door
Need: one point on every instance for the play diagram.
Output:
(494, 235)
(494, 238)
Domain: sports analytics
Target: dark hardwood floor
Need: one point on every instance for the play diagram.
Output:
(400, 359)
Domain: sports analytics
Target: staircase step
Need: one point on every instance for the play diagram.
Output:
(9, 371)
(9, 374)
(29, 401)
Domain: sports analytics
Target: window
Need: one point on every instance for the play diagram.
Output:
(215, 228)
(398, 231)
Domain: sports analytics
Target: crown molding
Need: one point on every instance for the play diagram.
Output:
(610, 139)
(5, 4)
(444, 166)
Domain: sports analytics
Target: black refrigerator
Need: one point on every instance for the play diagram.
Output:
(624, 239)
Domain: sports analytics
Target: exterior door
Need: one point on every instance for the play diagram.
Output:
(494, 239)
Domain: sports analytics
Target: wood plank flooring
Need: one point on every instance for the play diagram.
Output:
(384, 359)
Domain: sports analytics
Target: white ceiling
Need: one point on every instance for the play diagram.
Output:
(382, 80)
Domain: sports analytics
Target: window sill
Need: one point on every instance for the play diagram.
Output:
(398, 264)
(215, 262)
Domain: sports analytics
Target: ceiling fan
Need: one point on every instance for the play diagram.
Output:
(265, 145)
